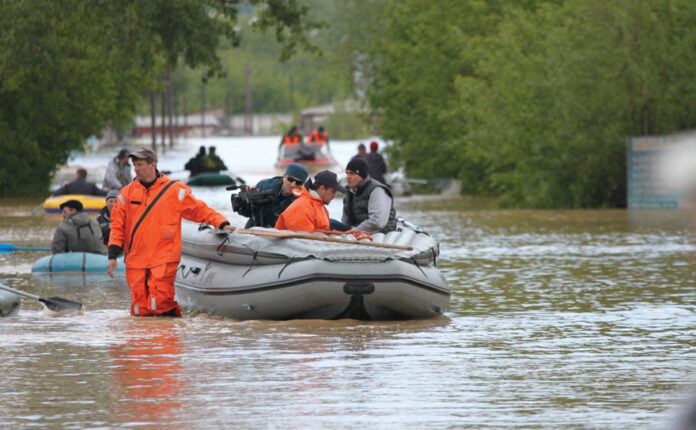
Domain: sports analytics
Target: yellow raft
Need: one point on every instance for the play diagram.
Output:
(91, 204)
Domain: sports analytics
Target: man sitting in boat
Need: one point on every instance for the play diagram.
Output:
(104, 217)
(308, 213)
(118, 172)
(78, 232)
(195, 164)
(295, 149)
(282, 187)
(368, 205)
(212, 162)
(317, 138)
(80, 186)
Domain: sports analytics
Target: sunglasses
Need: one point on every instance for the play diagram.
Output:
(294, 180)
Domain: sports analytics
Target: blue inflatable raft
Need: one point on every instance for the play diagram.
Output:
(75, 262)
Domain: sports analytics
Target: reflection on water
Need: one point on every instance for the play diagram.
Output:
(558, 319)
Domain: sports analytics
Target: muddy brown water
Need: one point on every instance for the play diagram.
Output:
(558, 319)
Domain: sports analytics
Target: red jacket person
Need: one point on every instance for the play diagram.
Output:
(146, 225)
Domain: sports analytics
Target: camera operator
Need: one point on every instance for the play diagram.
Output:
(266, 215)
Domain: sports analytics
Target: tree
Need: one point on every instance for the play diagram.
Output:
(558, 90)
(68, 69)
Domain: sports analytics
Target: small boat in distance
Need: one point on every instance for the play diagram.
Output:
(316, 157)
(91, 204)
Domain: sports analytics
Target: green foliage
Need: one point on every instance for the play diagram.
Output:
(558, 90)
(70, 68)
(531, 101)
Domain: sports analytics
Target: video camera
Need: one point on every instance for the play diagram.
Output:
(245, 201)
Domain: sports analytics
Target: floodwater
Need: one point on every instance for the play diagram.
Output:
(558, 319)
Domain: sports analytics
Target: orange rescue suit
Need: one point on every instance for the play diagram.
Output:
(153, 255)
(307, 213)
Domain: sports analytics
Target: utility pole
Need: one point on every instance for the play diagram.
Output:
(170, 108)
(248, 103)
(153, 125)
(163, 119)
(185, 112)
(203, 82)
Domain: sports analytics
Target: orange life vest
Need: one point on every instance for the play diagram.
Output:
(317, 137)
(158, 238)
(292, 140)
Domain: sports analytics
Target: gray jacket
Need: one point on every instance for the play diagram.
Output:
(370, 208)
(78, 233)
(117, 176)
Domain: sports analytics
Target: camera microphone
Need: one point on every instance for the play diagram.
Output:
(232, 187)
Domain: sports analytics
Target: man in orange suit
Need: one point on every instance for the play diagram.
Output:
(146, 226)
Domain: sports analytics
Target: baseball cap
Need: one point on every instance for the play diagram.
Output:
(328, 179)
(144, 154)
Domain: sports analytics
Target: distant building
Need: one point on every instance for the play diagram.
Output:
(314, 116)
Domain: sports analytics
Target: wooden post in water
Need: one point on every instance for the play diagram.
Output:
(153, 126)
(203, 82)
(163, 115)
(248, 103)
(169, 110)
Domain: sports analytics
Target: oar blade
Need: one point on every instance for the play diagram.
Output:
(59, 304)
(7, 248)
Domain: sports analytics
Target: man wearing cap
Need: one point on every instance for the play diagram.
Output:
(376, 167)
(282, 187)
(78, 232)
(146, 226)
(104, 217)
(308, 213)
(368, 205)
(118, 172)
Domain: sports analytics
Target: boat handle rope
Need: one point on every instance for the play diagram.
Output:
(292, 260)
(220, 250)
(413, 258)
(252, 263)
(194, 270)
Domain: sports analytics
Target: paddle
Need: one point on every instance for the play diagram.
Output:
(56, 304)
(290, 235)
(6, 248)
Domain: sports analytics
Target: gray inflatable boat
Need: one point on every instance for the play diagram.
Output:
(9, 303)
(277, 275)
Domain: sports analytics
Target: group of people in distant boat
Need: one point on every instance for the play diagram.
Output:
(142, 218)
(205, 163)
(296, 149)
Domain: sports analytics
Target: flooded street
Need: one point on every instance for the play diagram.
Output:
(558, 319)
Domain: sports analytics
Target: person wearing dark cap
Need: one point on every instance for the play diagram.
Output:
(80, 186)
(376, 167)
(146, 227)
(308, 213)
(195, 164)
(104, 217)
(368, 205)
(78, 232)
(282, 187)
(362, 151)
(118, 172)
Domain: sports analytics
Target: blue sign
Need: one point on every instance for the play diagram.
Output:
(645, 188)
